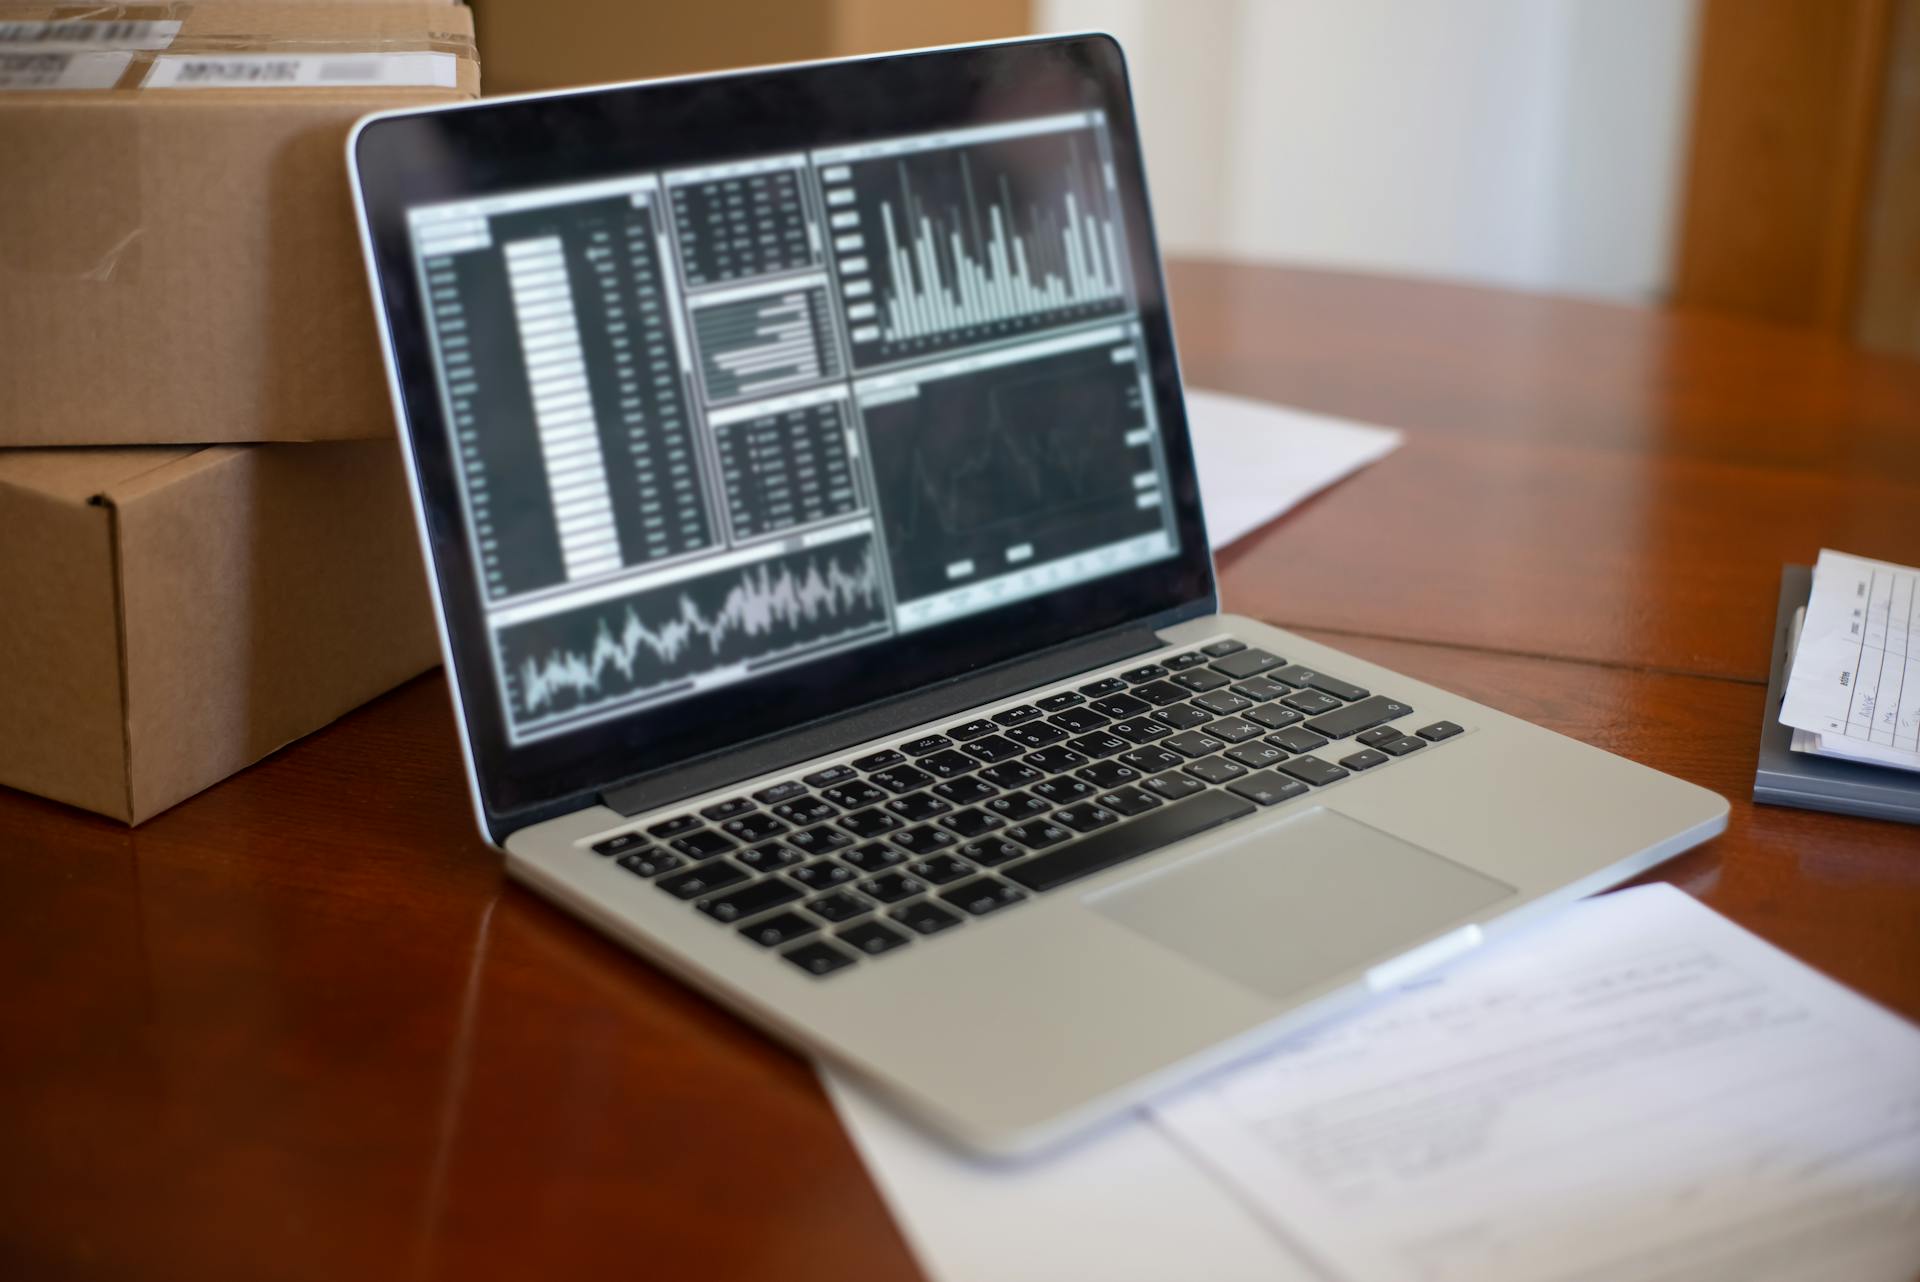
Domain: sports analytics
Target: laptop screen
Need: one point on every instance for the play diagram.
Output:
(751, 417)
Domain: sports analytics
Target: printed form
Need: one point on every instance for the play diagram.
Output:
(1856, 665)
(1635, 1090)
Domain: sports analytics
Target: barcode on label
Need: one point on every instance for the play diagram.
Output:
(199, 71)
(312, 70)
(87, 33)
(48, 69)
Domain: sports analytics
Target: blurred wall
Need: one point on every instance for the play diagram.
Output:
(1533, 143)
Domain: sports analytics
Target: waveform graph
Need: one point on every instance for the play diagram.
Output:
(679, 637)
(958, 238)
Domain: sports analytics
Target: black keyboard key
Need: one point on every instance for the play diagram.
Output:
(1378, 735)
(1174, 786)
(1194, 744)
(1017, 805)
(1234, 730)
(1311, 702)
(1099, 744)
(1274, 718)
(822, 874)
(702, 881)
(779, 792)
(949, 763)
(891, 887)
(1438, 730)
(1085, 816)
(819, 841)
(1259, 689)
(818, 959)
(1310, 679)
(1183, 717)
(1121, 705)
(1215, 769)
(1313, 770)
(674, 827)
(982, 895)
(972, 729)
(753, 827)
(1403, 745)
(995, 747)
(805, 811)
(1297, 739)
(902, 778)
(837, 907)
(704, 844)
(940, 870)
(1352, 718)
(1160, 693)
(872, 938)
(1222, 702)
(750, 900)
(1108, 774)
(924, 840)
(1038, 834)
(1078, 720)
(1267, 788)
(1017, 715)
(727, 809)
(926, 743)
(1065, 699)
(879, 760)
(1139, 730)
(855, 796)
(1255, 756)
(1365, 759)
(624, 843)
(1220, 649)
(768, 858)
(651, 863)
(781, 928)
(1145, 672)
(1011, 774)
(1181, 662)
(1037, 734)
(1200, 680)
(872, 858)
(868, 823)
(1151, 761)
(1128, 801)
(972, 822)
(918, 807)
(1149, 832)
(1242, 664)
(828, 777)
(1064, 790)
(1053, 761)
(991, 851)
(964, 791)
(925, 917)
(1104, 686)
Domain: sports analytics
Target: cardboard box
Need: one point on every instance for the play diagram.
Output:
(169, 616)
(179, 264)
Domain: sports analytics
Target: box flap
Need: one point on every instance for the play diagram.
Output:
(80, 475)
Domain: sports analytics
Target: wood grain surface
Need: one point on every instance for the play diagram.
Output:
(301, 1026)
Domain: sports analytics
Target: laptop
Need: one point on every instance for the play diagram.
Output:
(800, 459)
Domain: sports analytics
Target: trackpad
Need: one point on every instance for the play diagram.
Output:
(1284, 910)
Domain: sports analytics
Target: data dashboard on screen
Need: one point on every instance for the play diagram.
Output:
(715, 421)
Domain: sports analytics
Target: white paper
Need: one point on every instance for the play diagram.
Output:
(89, 33)
(301, 70)
(1856, 670)
(1257, 460)
(1635, 1090)
(1822, 745)
(25, 67)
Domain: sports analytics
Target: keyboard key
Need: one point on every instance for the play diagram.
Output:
(1146, 672)
(674, 827)
(926, 743)
(750, 900)
(1222, 702)
(872, 858)
(1121, 705)
(1242, 664)
(1183, 717)
(982, 895)
(805, 811)
(1438, 730)
(918, 807)
(924, 840)
(1234, 730)
(1017, 715)
(701, 881)
(1311, 702)
(925, 917)
(1365, 759)
(1354, 717)
(1128, 801)
(1078, 720)
(828, 777)
(704, 844)
(990, 851)
(902, 778)
(781, 928)
(1378, 735)
(1255, 756)
(1220, 649)
(872, 938)
(868, 823)
(965, 790)
(727, 809)
(854, 796)
(1085, 816)
(1274, 718)
(891, 887)
(819, 841)
(1403, 745)
(1018, 805)
(1151, 761)
(1160, 693)
(786, 790)
(1037, 734)
(940, 869)
(1010, 774)
(1259, 689)
(1104, 686)
(1215, 769)
(1107, 774)
(1181, 662)
(1267, 788)
(1174, 786)
(1149, 832)
(949, 763)
(1309, 679)
(818, 959)
(1312, 770)
(1139, 730)
(622, 844)
(651, 863)
(1098, 744)
(1054, 760)
(753, 827)
(1297, 739)
(1055, 702)
(972, 822)
(1064, 790)
(1200, 680)
(971, 729)
(1038, 834)
(995, 747)
(822, 874)
(1194, 744)
(879, 760)
(768, 858)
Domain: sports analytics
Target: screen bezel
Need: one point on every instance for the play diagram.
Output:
(402, 159)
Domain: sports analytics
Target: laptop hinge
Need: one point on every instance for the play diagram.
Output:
(834, 734)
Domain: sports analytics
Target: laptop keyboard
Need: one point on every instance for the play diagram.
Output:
(852, 862)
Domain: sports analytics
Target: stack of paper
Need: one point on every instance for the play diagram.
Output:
(1853, 687)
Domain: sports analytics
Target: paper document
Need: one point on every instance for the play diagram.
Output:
(1257, 460)
(1634, 1090)
(1856, 668)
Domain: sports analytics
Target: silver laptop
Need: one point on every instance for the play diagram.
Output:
(801, 461)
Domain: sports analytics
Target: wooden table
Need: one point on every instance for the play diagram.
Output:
(301, 1027)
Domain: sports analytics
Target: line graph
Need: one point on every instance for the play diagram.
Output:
(721, 626)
